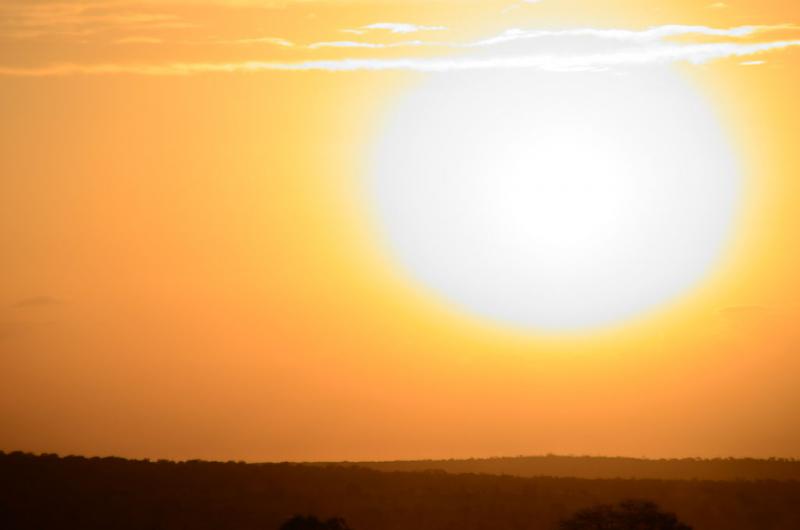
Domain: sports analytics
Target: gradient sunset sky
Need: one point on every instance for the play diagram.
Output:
(189, 267)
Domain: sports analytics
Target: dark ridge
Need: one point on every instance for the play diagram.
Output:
(51, 492)
(606, 467)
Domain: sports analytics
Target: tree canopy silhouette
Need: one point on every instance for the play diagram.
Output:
(76, 493)
(310, 522)
(627, 515)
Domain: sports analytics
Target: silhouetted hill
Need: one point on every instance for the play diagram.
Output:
(48, 492)
(606, 467)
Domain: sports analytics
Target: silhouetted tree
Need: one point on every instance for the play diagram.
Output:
(627, 515)
(301, 522)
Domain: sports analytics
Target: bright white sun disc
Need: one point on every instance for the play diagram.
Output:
(555, 201)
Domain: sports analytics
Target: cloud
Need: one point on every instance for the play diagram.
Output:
(36, 302)
(395, 27)
(574, 49)
(626, 35)
(27, 20)
(662, 53)
(574, 36)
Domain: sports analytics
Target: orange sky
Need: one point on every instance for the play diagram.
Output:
(188, 269)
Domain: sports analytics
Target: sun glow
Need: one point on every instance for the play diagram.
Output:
(558, 202)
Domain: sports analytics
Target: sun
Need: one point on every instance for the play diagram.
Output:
(555, 201)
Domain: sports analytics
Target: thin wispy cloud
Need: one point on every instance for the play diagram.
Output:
(25, 20)
(650, 34)
(394, 27)
(653, 34)
(572, 43)
(660, 54)
(567, 49)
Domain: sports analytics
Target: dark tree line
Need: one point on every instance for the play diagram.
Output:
(627, 515)
(610, 467)
(49, 492)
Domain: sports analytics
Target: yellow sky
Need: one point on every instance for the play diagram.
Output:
(188, 269)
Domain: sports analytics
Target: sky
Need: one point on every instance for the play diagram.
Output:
(190, 266)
